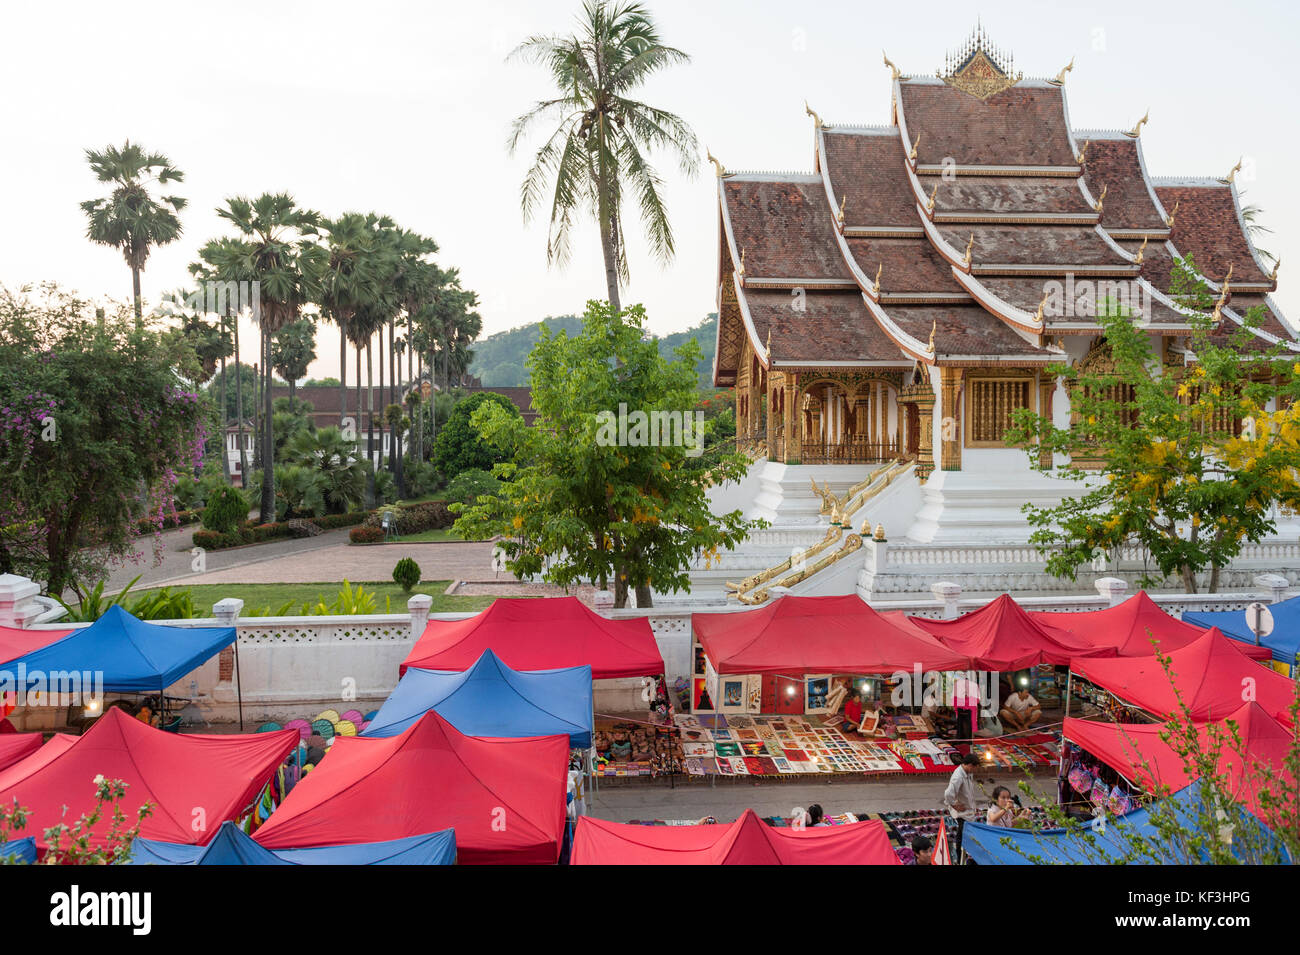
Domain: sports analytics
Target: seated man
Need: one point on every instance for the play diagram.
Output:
(1021, 711)
(852, 713)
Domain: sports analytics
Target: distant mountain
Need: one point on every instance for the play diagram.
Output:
(499, 359)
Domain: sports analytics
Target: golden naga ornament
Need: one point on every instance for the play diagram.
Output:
(1038, 316)
(1173, 213)
(817, 120)
(934, 328)
(929, 205)
(1101, 199)
(970, 249)
(839, 216)
(893, 70)
(1277, 264)
(718, 167)
(1232, 173)
(875, 289)
(1136, 131)
(911, 155)
(742, 262)
(1083, 153)
(1059, 79)
(1145, 240)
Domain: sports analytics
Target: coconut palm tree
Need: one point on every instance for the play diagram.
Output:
(274, 249)
(1251, 215)
(597, 150)
(130, 219)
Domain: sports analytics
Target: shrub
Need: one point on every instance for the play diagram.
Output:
(225, 510)
(212, 540)
(469, 485)
(406, 574)
(414, 518)
(332, 521)
(366, 535)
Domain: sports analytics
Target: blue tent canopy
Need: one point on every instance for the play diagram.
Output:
(490, 699)
(1284, 641)
(985, 844)
(133, 656)
(230, 846)
(18, 851)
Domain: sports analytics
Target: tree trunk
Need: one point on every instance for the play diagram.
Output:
(382, 409)
(1189, 579)
(239, 413)
(370, 427)
(135, 288)
(360, 425)
(343, 374)
(608, 246)
(225, 419)
(268, 437)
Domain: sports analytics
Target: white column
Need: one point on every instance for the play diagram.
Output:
(1112, 588)
(948, 594)
(418, 606)
(17, 606)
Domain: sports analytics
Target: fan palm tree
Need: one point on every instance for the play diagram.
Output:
(275, 250)
(130, 219)
(597, 151)
(349, 281)
(1250, 215)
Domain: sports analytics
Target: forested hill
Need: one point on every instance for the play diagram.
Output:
(499, 359)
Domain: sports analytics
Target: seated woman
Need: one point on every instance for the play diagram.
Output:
(1004, 811)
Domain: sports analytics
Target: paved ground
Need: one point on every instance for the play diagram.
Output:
(328, 557)
(636, 799)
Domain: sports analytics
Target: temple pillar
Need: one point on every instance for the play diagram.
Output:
(922, 396)
(1046, 388)
(950, 424)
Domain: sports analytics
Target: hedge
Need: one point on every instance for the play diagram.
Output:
(414, 518)
(278, 530)
(365, 534)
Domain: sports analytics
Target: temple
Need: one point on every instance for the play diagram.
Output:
(882, 316)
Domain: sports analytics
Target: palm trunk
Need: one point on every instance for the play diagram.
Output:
(370, 426)
(343, 374)
(225, 419)
(608, 246)
(135, 289)
(268, 439)
(239, 413)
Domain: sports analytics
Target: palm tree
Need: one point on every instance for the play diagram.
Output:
(1250, 215)
(349, 281)
(598, 149)
(275, 250)
(130, 219)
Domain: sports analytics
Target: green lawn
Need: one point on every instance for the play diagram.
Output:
(441, 534)
(260, 599)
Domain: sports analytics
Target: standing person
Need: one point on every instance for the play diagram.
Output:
(961, 795)
(966, 702)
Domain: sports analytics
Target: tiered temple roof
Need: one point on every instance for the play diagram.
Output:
(957, 234)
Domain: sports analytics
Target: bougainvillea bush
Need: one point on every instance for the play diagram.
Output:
(96, 425)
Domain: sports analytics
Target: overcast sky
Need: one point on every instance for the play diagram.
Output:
(403, 108)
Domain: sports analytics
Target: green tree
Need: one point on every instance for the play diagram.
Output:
(130, 219)
(293, 349)
(1186, 462)
(96, 430)
(273, 249)
(597, 153)
(460, 447)
(339, 474)
(579, 501)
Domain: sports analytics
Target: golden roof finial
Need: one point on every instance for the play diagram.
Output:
(911, 156)
(875, 289)
(1038, 316)
(1059, 79)
(934, 328)
(879, 533)
(1232, 173)
(1083, 152)
(970, 249)
(817, 120)
(893, 70)
(840, 215)
(1277, 264)
(1136, 131)
(1101, 199)
(1145, 240)
(1169, 219)
(721, 170)
(929, 205)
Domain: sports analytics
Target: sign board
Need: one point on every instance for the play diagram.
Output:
(1260, 620)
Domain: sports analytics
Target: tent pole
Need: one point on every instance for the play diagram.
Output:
(1060, 759)
(239, 683)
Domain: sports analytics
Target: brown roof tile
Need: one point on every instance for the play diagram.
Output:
(1022, 126)
(1006, 195)
(784, 228)
(830, 326)
(1071, 301)
(965, 330)
(1207, 228)
(1044, 245)
(1114, 165)
(910, 265)
(867, 171)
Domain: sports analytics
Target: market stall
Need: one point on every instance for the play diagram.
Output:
(747, 841)
(223, 774)
(1128, 628)
(231, 846)
(546, 633)
(16, 746)
(1282, 642)
(505, 798)
(1002, 636)
(1211, 674)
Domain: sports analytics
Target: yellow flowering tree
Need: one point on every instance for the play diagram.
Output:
(599, 488)
(1187, 458)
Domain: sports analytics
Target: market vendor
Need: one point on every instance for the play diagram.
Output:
(1021, 710)
(853, 713)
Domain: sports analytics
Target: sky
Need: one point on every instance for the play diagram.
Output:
(404, 108)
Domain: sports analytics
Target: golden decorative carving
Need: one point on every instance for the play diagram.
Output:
(1038, 316)
(1232, 173)
(1136, 131)
(934, 328)
(1277, 264)
(1223, 295)
(1101, 199)
(875, 289)
(1145, 239)
(1083, 152)
(981, 77)
(840, 215)
(718, 167)
(879, 533)
(970, 249)
(1059, 79)
(893, 70)
(1169, 219)
(741, 270)
(912, 153)
(929, 205)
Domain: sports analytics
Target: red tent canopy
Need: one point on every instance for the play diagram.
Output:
(16, 746)
(1129, 627)
(1213, 675)
(16, 643)
(1002, 636)
(177, 774)
(747, 841)
(796, 635)
(504, 797)
(1138, 752)
(540, 634)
